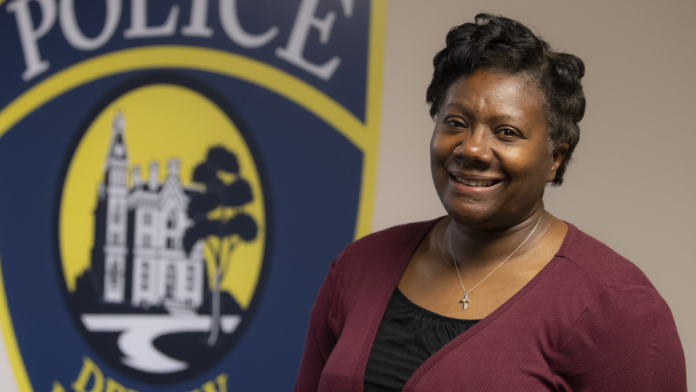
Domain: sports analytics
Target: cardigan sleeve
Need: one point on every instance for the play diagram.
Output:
(320, 339)
(625, 341)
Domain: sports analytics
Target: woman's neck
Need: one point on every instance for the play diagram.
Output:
(473, 249)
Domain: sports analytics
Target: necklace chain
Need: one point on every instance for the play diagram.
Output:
(465, 300)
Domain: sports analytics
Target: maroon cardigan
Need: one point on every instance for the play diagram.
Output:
(588, 321)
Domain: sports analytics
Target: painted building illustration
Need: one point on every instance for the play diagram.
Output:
(138, 256)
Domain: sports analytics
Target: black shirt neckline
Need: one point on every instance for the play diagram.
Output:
(398, 294)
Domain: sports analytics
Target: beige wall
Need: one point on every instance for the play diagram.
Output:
(632, 183)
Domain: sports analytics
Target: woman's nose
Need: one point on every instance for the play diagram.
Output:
(474, 147)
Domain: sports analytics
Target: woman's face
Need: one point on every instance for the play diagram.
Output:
(489, 152)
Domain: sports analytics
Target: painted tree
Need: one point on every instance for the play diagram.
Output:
(219, 219)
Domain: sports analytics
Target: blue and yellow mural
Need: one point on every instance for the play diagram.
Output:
(176, 177)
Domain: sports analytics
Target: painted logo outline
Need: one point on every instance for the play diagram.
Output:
(364, 135)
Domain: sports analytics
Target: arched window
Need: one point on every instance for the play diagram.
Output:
(113, 273)
(189, 278)
(171, 281)
(171, 220)
(144, 275)
(117, 213)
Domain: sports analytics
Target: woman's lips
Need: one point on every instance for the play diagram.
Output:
(474, 185)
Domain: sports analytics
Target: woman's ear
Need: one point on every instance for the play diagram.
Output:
(557, 156)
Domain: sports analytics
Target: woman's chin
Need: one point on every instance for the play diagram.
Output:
(472, 217)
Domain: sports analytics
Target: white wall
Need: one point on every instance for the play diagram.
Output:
(632, 183)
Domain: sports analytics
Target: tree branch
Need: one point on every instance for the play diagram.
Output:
(210, 248)
(228, 260)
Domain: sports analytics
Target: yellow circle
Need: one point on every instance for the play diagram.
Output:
(162, 121)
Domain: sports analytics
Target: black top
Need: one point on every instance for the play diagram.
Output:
(407, 336)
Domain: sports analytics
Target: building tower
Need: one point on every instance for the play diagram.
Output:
(115, 194)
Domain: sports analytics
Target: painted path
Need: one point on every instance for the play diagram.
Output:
(138, 332)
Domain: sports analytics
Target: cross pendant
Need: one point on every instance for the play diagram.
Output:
(464, 301)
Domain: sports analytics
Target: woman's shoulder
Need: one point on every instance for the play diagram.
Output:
(398, 235)
(610, 284)
(619, 314)
(600, 263)
(384, 249)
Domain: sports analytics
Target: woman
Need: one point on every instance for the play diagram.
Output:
(499, 294)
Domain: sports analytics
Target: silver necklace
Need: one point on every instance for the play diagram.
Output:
(465, 299)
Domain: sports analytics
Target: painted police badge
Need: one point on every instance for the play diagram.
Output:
(175, 177)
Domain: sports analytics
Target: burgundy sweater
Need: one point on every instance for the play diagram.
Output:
(588, 321)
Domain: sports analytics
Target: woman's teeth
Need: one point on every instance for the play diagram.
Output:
(475, 182)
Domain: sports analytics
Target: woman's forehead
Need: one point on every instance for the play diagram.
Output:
(499, 96)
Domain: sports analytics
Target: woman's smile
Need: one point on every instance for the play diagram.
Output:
(474, 185)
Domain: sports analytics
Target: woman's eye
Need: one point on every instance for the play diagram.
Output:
(455, 123)
(507, 132)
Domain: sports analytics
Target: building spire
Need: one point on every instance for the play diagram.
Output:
(117, 146)
(117, 154)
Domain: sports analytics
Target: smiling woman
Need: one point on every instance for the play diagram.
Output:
(499, 294)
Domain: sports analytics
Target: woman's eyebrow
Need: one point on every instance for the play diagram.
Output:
(509, 117)
(497, 117)
(458, 105)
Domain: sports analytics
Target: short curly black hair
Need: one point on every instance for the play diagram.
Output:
(503, 45)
